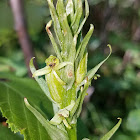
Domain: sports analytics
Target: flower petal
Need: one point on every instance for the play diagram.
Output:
(42, 71)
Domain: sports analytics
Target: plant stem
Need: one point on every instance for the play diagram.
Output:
(72, 133)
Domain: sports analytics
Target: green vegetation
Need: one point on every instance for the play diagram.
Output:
(116, 92)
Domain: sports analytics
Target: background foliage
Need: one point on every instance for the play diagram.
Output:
(117, 92)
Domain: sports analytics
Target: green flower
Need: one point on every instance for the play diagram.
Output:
(55, 83)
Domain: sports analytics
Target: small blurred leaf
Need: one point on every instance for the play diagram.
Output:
(36, 15)
(13, 65)
(137, 101)
(124, 137)
(133, 120)
(5, 133)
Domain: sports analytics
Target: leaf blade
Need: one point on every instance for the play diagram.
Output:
(81, 50)
(112, 131)
(54, 133)
(91, 73)
(20, 119)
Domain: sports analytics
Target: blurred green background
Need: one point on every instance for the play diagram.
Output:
(117, 92)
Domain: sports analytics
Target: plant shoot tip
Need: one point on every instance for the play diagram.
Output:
(119, 118)
(25, 99)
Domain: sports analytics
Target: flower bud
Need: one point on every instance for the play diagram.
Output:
(55, 84)
(55, 87)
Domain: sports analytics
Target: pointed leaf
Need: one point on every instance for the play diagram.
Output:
(76, 110)
(68, 38)
(112, 131)
(56, 48)
(54, 132)
(92, 72)
(81, 70)
(84, 93)
(81, 50)
(70, 9)
(63, 17)
(86, 16)
(72, 51)
(19, 118)
(77, 16)
(57, 26)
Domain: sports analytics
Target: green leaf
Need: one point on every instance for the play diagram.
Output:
(82, 69)
(70, 9)
(112, 131)
(54, 132)
(133, 121)
(5, 133)
(68, 38)
(63, 18)
(57, 26)
(56, 48)
(76, 110)
(92, 72)
(86, 16)
(77, 15)
(83, 45)
(19, 67)
(20, 119)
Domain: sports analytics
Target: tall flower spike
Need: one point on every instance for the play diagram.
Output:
(66, 75)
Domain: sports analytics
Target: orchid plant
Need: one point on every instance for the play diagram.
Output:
(66, 77)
